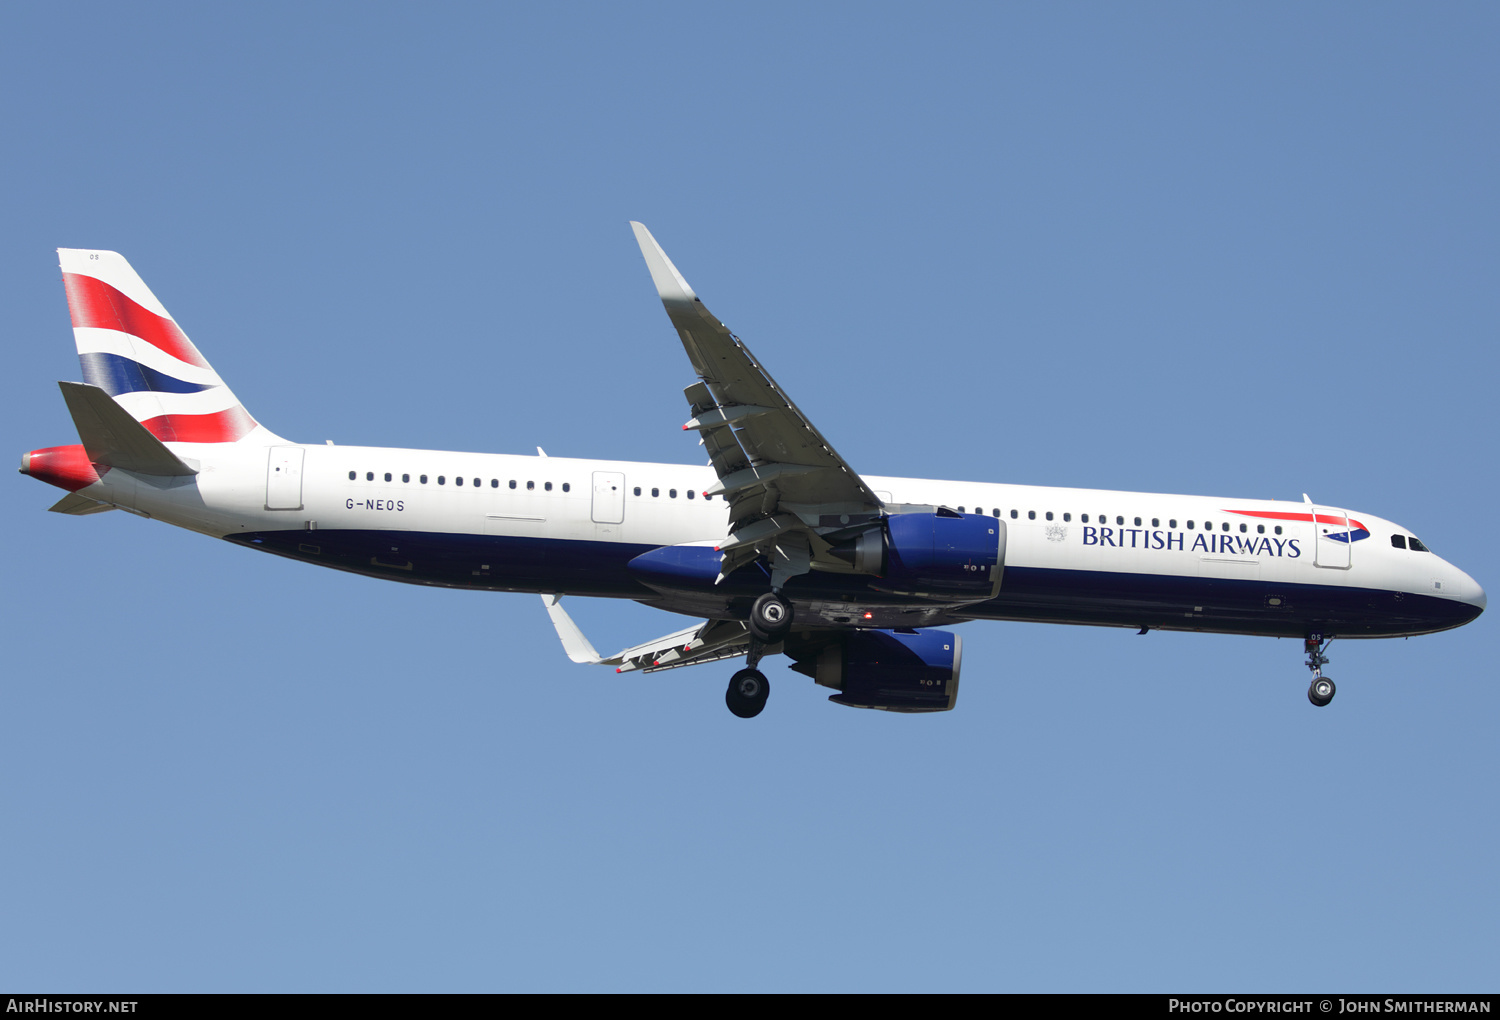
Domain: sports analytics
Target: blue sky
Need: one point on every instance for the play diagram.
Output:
(1246, 250)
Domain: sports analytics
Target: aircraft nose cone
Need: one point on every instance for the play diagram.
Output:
(1475, 596)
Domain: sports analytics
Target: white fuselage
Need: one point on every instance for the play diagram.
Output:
(1266, 549)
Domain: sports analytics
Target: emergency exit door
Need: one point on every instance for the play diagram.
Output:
(284, 478)
(609, 497)
(1332, 538)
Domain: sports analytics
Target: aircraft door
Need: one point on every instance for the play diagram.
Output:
(1332, 540)
(609, 497)
(284, 478)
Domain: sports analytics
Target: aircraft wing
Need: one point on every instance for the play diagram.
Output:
(709, 641)
(778, 473)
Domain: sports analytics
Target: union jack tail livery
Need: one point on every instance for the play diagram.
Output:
(131, 348)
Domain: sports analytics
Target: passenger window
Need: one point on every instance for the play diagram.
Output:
(476, 483)
(637, 490)
(387, 476)
(1172, 523)
(567, 487)
(1067, 517)
(690, 494)
(442, 480)
(1190, 525)
(1014, 514)
(1415, 546)
(1243, 529)
(369, 476)
(494, 483)
(1260, 529)
(706, 497)
(672, 493)
(1224, 526)
(424, 479)
(1399, 541)
(1049, 515)
(512, 483)
(406, 478)
(1119, 521)
(351, 476)
(1084, 518)
(1031, 515)
(458, 480)
(1278, 529)
(960, 509)
(1137, 522)
(656, 492)
(530, 486)
(1156, 522)
(996, 511)
(547, 486)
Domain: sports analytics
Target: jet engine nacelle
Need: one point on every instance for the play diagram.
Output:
(944, 555)
(891, 671)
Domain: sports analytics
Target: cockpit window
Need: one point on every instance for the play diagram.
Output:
(1416, 546)
(1399, 541)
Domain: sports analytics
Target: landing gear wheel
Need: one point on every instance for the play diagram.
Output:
(1322, 691)
(747, 694)
(770, 618)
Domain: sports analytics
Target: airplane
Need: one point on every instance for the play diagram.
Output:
(775, 546)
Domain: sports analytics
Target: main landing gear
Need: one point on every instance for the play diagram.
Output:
(1322, 690)
(770, 618)
(747, 694)
(770, 621)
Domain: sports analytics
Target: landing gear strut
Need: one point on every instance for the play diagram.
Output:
(770, 621)
(1322, 690)
(749, 688)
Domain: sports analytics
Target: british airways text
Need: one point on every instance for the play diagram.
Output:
(1145, 538)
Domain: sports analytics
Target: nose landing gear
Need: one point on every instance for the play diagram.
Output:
(1322, 689)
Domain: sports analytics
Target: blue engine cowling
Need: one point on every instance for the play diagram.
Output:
(890, 670)
(944, 555)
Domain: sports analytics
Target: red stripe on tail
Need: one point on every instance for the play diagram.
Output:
(95, 303)
(221, 427)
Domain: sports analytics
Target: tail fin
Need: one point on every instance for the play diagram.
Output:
(132, 349)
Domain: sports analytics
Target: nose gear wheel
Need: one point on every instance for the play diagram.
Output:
(1322, 689)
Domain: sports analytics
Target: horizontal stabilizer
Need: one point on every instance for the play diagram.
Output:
(78, 505)
(111, 436)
